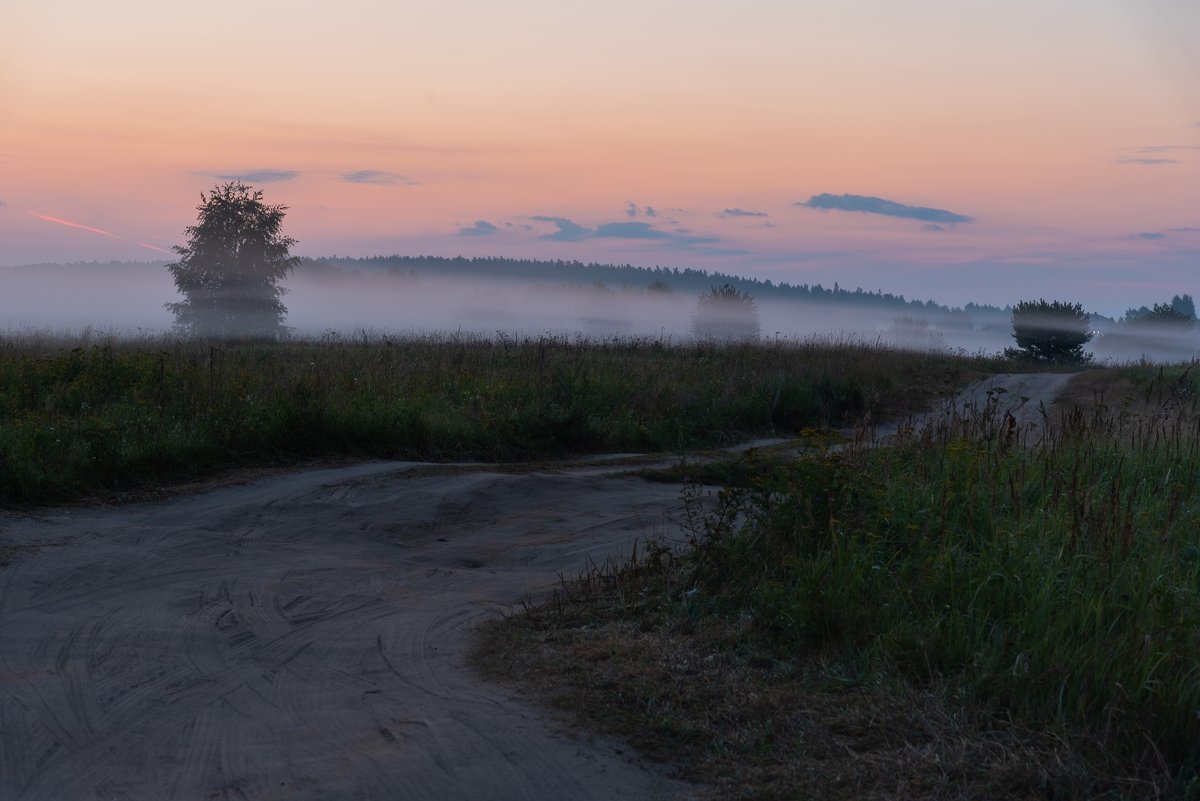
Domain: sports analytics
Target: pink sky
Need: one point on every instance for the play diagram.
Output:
(1067, 130)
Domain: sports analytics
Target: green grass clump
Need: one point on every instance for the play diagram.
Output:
(1049, 574)
(84, 418)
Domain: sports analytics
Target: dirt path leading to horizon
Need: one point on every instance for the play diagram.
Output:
(1023, 394)
(304, 637)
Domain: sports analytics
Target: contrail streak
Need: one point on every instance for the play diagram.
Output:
(70, 224)
(153, 247)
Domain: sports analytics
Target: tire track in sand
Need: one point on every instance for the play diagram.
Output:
(301, 638)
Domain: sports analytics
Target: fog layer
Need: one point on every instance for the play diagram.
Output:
(128, 300)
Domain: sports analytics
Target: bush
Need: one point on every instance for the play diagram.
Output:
(726, 314)
(1051, 332)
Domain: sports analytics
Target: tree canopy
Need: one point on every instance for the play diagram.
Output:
(1179, 313)
(229, 270)
(1053, 332)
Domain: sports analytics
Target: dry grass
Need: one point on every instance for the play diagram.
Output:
(980, 610)
(752, 727)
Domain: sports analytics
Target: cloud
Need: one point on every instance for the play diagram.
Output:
(1148, 235)
(570, 231)
(480, 228)
(267, 176)
(736, 212)
(629, 230)
(692, 241)
(877, 205)
(633, 210)
(1166, 148)
(2, 204)
(1156, 154)
(1127, 160)
(932, 227)
(1187, 229)
(378, 177)
(567, 231)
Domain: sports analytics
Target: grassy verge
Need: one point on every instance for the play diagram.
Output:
(85, 418)
(978, 610)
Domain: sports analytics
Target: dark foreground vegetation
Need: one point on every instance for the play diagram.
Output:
(979, 610)
(86, 418)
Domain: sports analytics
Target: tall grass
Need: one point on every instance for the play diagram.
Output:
(86, 416)
(1050, 572)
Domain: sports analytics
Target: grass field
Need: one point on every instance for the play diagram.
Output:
(90, 417)
(977, 610)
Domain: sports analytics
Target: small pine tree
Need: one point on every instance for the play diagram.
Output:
(229, 270)
(726, 314)
(1053, 332)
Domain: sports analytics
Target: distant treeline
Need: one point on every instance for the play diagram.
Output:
(686, 280)
(614, 276)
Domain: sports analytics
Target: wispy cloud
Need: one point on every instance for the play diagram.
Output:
(480, 228)
(2, 204)
(877, 205)
(69, 224)
(266, 176)
(1144, 161)
(736, 212)
(379, 177)
(932, 227)
(1166, 232)
(571, 231)
(1166, 148)
(156, 248)
(1151, 155)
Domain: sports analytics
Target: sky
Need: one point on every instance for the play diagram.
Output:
(984, 151)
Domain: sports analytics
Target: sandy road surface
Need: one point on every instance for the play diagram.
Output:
(1020, 393)
(1025, 395)
(300, 638)
(303, 637)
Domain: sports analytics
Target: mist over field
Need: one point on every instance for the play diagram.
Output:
(127, 299)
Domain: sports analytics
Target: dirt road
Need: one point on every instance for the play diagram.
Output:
(301, 638)
(1023, 394)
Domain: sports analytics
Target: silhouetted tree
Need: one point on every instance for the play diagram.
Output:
(1052, 332)
(725, 313)
(1168, 314)
(1185, 306)
(229, 270)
